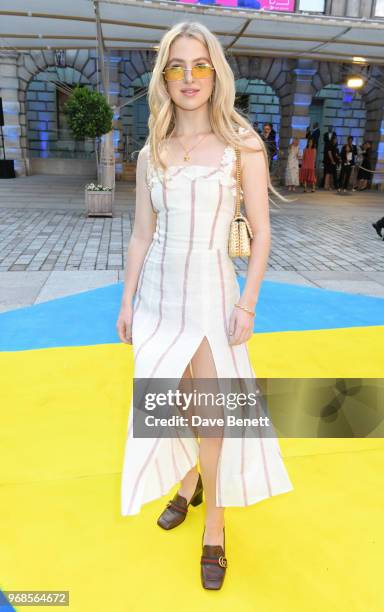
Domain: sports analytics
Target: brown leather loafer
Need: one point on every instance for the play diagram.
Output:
(213, 565)
(177, 507)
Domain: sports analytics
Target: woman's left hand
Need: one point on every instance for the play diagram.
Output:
(240, 327)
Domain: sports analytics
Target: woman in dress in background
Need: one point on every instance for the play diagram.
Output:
(307, 170)
(181, 306)
(292, 170)
(363, 175)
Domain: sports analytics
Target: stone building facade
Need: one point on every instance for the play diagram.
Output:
(290, 93)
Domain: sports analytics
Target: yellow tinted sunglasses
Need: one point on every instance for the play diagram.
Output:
(176, 73)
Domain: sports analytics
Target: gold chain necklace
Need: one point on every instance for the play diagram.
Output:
(186, 156)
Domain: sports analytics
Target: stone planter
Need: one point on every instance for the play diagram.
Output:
(99, 203)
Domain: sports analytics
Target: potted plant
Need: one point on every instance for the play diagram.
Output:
(99, 200)
(90, 116)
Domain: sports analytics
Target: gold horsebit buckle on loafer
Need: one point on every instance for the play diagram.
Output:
(222, 561)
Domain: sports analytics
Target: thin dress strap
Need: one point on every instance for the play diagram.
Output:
(229, 155)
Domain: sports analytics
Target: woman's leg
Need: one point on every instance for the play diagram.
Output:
(347, 177)
(354, 178)
(189, 482)
(203, 366)
(334, 175)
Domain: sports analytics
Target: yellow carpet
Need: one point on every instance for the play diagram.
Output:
(64, 417)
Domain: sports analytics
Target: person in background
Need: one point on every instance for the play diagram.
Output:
(307, 170)
(379, 225)
(329, 135)
(292, 169)
(363, 175)
(331, 161)
(256, 127)
(355, 168)
(315, 135)
(348, 159)
(327, 141)
(268, 135)
(273, 131)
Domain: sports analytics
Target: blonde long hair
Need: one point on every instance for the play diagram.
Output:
(224, 119)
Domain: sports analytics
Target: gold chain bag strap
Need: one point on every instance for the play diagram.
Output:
(240, 232)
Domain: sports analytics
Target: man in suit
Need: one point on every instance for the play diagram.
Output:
(269, 135)
(328, 135)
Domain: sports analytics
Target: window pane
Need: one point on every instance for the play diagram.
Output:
(312, 5)
(379, 8)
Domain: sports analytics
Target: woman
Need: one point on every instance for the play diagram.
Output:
(292, 169)
(188, 320)
(363, 175)
(307, 170)
(348, 157)
(331, 162)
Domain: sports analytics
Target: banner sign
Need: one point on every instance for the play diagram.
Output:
(287, 6)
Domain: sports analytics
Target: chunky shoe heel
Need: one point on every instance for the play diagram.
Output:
(197, 499)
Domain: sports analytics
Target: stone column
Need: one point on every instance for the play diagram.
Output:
(302, 97)
(13, 118)
(114, 99)
(374, 128)
(378, 178)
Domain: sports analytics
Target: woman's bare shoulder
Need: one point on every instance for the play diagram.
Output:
(251, 139)
(143, 163)
(144, 153)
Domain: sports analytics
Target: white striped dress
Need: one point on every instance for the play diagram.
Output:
(186, 290)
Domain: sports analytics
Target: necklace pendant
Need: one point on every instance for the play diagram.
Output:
(186, 157)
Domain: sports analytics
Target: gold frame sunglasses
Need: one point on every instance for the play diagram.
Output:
(176, 73)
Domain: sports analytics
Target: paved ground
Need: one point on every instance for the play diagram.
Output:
(50, 248)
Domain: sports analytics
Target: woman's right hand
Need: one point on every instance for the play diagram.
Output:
(124, 324)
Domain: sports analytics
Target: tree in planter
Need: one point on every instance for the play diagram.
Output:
(89, 116)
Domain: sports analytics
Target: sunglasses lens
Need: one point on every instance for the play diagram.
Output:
(173, 74)
(176, 73)
(201, 72)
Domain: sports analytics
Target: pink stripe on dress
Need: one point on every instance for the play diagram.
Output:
(141, 346)
(185, 284)
(193, 194)
(265, 463)
(244, 484)
(216, 215)
(225, 313)
(161, 277)
(144, 467)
